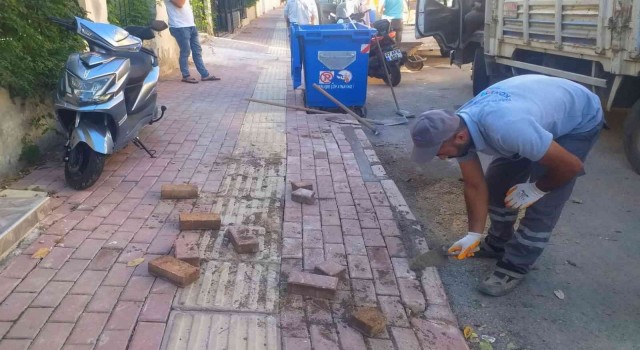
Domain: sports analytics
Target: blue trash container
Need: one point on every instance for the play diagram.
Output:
(334, 56)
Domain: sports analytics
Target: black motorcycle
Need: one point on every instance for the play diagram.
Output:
(383, 52)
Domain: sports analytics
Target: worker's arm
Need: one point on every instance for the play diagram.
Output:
(476, 193)
(476, 196)
(561, 165)
(178, 3)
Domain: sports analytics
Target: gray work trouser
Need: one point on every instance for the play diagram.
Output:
(523, 247)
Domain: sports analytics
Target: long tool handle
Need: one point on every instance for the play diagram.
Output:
(288, 106)
(346, 109)
(386, 71)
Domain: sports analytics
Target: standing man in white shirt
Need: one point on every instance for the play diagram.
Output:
(291, 12)
(307, 12)
(183, 27)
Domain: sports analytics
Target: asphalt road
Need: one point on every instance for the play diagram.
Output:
(593, 255)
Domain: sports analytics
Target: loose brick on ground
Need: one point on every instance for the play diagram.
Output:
(312, 285)
(307, 185)
(368, 320)
(303, 196)
(174, 270)
(186, 249)
(199, 221)
(178, 191)
(244, 238)
(331, 268)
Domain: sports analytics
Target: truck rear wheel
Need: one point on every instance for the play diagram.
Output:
(632, 137)
(479, 77)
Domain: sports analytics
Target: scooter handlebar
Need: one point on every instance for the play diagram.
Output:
(68, 24)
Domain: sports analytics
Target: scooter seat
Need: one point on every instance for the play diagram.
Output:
(141, 65)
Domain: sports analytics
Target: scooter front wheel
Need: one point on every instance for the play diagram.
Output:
(84, 167)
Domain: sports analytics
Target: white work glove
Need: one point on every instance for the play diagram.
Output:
(523, 195)
(466, 246)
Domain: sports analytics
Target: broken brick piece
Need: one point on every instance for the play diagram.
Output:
(312, 285)
(199, 221)
(175, 271)
(183, 191)
(307, 185)
(331, 268)
(303, 196)
(244, 238)
(186, 249)
(368, 320)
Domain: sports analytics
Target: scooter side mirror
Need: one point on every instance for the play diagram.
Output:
(158, 25)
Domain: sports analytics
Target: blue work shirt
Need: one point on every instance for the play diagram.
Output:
(521, 116)
(393, 8)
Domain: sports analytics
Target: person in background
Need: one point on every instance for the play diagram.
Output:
(290, 12)
(182, 26)
(307, 12)
(365, 7)
(393, 10)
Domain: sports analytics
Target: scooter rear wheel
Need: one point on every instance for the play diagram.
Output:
(394, 74)
(84, 167)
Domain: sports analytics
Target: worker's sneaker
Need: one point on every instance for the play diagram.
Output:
(500, 282)
(487, 251)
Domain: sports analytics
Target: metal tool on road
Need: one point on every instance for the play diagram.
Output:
(362, 121)
(288, 106)
(400, 112)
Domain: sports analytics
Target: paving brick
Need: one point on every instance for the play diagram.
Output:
(131, 252)
(364, 206)
(43, 241)
(104, 260)
(71, 270)
(394, 311)
(103, 232)
(88, 249)
(350, 338)
(75, 238)
(354, 245)
(52, 294)
(145, 235)
(368, 320)
(303, 196)
(389, 228)
(312, 256)
(328, 204)
(178, 191)
(103, 209)
(441, 313)
(364, 292)
(147, 336)
(4, 328)
(437, 335)
(186, 248)
(312, 239)
(143, 268)
(385, 282)
(138, 287)
(359, 267)
(89, 223)
(401, 268)
(52, 336)
(161, 286)
(411, 295)
(104, 299)
(351, 228)
(117, 217)
(368, 220)
(336, 253)
(161, 245)
(395, 247)
(291, 248)
(373, 238)
(344, 199)
(56, 258)
(70, 308)
(292, 230)
(6, 286)
(124, 315)
(348, 212)
(14, 344)
(113, 340)
(380, 344)
(292, 317)
(88, 282)
(118, 240)
(199, 221)
(35, 280)
(323, 337)
(405, 338)
(29, 324)
(88, 328)
(296, 343)
(331, 268)
(19, 267)
(132, 225)
(384, 213)
(157, 308)
(244, 238)
(318, 311)
(433, 288)
(312, 285)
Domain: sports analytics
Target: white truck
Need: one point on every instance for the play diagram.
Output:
(593, 42)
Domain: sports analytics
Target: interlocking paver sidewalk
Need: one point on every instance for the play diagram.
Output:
(242, 156)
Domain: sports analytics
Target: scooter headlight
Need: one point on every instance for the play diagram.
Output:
(92, 90)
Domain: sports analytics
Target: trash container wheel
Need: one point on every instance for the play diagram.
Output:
(361, 111)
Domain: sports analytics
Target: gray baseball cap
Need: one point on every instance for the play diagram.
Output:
(431, 129)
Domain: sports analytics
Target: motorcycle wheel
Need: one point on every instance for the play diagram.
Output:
(394, 73)
(84, 167)
(414, 66)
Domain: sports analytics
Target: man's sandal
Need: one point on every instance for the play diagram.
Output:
(210, 78)
(190, 80)
(500, 282)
